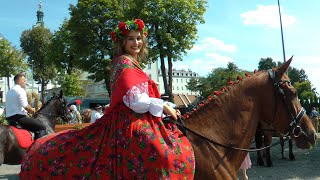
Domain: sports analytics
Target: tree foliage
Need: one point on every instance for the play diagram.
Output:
(12, 60)
(266, 63)
(218, 78)
(71, 86)
(62, 51)
(91, 24)
(172, 30)
(35, 43)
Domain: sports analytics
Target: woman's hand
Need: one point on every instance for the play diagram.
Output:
(170, 111)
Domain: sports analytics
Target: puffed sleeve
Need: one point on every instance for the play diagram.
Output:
(137, 99)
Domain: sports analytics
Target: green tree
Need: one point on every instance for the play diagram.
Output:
(71, 86)
(62, 52)
(266, 63)
(35, 43)
(12, 61)
(91, 24)
(218, 78)
(172, 31)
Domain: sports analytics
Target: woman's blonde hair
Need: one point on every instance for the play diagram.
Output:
(119, 47)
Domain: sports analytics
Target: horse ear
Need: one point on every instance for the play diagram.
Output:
(61, 94)
(53, 94)
(284, 67)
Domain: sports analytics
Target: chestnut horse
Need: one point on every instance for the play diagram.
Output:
(10, 150)
(225, 124)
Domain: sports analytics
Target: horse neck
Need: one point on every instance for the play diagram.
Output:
(230, 118)
(45, 118)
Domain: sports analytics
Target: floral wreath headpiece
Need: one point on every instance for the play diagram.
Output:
(124, 29)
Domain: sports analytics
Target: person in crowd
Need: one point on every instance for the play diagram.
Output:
(17, 108)
(75, 114)
(315, 118)
(246, 164)
(129, 141)
(96, 114)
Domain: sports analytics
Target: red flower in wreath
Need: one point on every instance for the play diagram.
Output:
(122, 26)
(140, 24)
(78, 102)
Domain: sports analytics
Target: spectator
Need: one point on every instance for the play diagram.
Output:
(75, 115)
(96, 114)
(315, 118)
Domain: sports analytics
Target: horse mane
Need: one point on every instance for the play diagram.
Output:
(217, 95)
(47, 102)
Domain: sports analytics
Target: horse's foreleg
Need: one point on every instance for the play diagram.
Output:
(259, 144)
(292, 158)
(267, 142)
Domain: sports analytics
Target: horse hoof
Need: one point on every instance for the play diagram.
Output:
(292, 158)
(260, 163)
(269, 165)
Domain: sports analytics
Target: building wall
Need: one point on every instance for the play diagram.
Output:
(180, 79)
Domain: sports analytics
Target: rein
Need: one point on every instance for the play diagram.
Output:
(294, 124)
(185, 129)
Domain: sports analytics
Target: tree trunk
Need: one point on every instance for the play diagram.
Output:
(170, 78)
(43, 99)
(8, 82)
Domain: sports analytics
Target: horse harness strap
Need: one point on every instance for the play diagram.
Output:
(294, 124)
(51, 114)
(186, 129)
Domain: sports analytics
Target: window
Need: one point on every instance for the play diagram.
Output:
(149, 65)
(177, 74)
(177, 87)
(182, 88)
(150, 76)
(172, 87)
(177, 80)
(186, 80)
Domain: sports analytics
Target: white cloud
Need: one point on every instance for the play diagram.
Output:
(204, 64)
(267, 16)
(213, 44)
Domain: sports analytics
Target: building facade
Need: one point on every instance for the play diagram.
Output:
(180, 79)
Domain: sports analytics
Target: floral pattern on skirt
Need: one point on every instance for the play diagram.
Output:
(120, 145)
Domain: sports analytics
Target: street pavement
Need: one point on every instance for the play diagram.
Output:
(9, 172)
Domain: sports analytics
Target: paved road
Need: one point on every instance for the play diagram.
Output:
(306, 160)
(9, 172)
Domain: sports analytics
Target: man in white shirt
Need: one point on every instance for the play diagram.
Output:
(96, 114)
(17, 107)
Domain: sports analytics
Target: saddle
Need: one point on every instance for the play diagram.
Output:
(25, 138)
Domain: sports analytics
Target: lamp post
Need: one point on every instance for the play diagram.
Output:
(283, 50)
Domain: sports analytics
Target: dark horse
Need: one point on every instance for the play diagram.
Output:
(263, 138)
(227, 121)
(10, 150)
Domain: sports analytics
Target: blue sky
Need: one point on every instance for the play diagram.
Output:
(235, 31)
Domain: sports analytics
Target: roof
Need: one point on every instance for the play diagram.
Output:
(183, 100)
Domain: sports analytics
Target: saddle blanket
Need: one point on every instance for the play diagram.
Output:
(23, 136)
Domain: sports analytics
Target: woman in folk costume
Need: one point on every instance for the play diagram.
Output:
(130, 141)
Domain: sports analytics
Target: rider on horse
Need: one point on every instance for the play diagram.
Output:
(17, 107)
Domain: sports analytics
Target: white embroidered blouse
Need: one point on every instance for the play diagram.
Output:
(137, 99)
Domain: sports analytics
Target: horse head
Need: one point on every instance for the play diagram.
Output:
(289, 117)
(55, 107)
